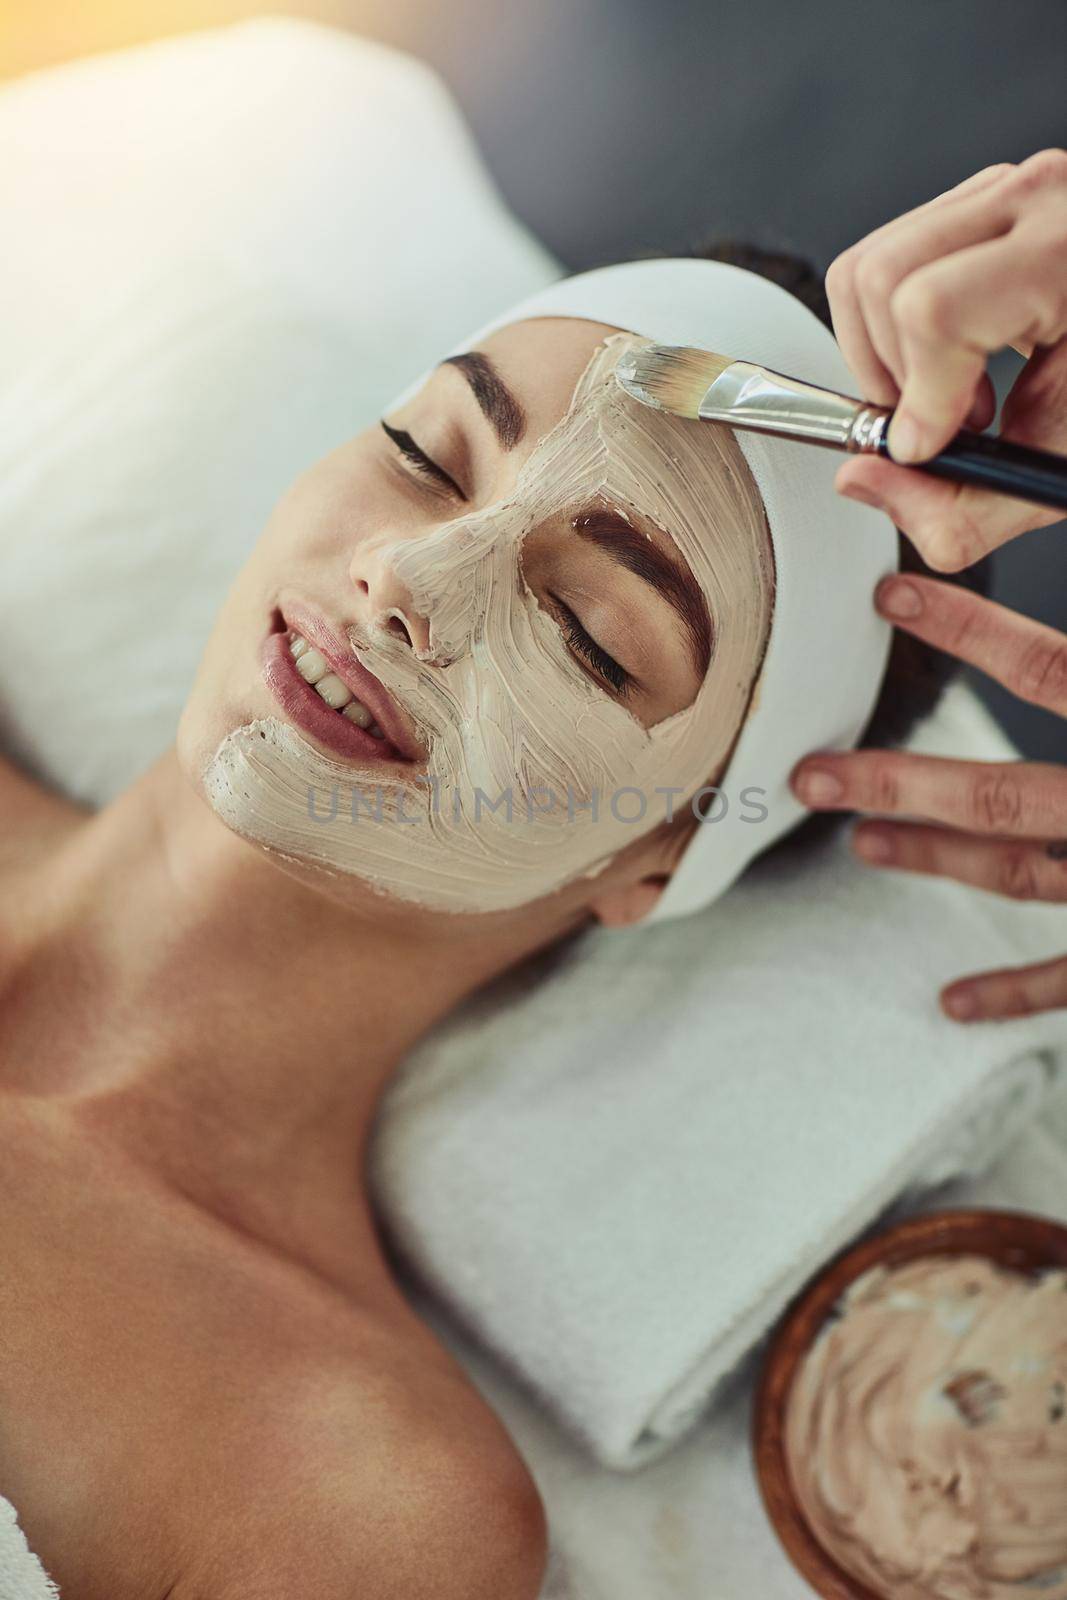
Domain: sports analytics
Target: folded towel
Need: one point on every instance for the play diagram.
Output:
(616, 1166)
(21, 1575)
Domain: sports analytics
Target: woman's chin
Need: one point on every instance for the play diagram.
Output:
(199, 734)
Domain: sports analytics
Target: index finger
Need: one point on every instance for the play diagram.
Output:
(1028, 658)
(951, 315)
(876, 381)
(1011, 799)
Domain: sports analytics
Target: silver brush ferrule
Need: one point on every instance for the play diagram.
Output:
(749, 396)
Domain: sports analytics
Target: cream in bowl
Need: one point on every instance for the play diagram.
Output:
(910, 1423)
(926, 1431)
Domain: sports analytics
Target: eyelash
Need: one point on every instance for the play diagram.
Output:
(621, 681)
(420, 460)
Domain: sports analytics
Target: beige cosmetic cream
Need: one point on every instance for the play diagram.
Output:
(926, 1431)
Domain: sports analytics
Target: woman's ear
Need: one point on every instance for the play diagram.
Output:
(649, 871)
(622, 907)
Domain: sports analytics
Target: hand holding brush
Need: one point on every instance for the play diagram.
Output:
(917, 308)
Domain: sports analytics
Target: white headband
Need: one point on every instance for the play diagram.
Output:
(828, 647)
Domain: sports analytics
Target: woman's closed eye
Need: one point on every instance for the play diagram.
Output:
(421, 461)
(623, 682)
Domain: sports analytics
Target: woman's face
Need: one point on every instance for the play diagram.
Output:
(553, 600)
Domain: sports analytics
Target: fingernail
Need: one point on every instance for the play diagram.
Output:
(817, 787)
(872, 844)
(961, 1005)
(905, 437)
(857, 491)
(896, 597)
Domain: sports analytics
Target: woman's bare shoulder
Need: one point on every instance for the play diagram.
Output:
(267, 1435)
(418, 1527)
(346, 1479)
(356, 1492)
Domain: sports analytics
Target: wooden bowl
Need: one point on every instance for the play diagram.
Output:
(1017, 1240)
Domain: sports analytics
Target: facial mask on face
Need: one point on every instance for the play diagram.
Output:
(536, 775)
(828, 647)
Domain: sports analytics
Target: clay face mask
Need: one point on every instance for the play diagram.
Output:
(536, 775)
(927, 1432)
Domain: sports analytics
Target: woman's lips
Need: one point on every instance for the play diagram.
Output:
(364, 685)
(309, 711)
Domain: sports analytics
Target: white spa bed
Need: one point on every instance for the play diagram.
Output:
(165, 209)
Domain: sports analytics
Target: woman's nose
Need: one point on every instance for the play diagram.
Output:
(387, 602)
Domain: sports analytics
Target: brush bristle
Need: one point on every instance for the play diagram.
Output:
(671, 377)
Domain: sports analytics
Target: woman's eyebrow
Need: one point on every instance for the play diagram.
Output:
(492, 394)
(639, 554)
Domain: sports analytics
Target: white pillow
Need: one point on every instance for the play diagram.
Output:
(223, 254)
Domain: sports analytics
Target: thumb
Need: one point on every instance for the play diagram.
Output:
(867, 472)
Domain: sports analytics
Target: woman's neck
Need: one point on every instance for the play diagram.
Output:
(230, 1027)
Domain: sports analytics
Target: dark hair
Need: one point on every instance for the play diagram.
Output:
(916, 674)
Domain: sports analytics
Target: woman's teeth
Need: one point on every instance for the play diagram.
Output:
(315, 669)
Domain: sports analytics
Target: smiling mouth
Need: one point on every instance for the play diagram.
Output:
(315, 670)
(314, 697)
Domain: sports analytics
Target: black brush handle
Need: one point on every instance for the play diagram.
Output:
(991, 463)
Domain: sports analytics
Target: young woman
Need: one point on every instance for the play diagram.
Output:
(210, 1386)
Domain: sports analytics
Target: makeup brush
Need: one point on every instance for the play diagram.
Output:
(712, 388)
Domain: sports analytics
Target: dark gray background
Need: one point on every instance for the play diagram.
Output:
(620, 126)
